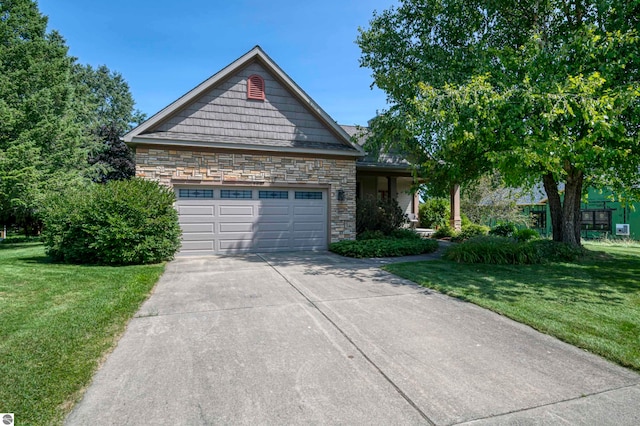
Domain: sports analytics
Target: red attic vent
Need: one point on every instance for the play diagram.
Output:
(255, 87)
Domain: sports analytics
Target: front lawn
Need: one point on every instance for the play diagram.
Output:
(593, 303)
(57, 322)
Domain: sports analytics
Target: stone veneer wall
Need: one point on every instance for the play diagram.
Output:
(168, 166)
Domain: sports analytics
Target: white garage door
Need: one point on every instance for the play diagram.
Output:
(235, 220)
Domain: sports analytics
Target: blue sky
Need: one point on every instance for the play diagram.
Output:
(165, 48)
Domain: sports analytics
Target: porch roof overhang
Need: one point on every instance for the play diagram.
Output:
(383, 169)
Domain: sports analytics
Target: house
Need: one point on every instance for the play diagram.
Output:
(602, 215)
(257, 165)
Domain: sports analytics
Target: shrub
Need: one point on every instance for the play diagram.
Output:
(504, 230)
(524, 235)
(557, 252)
(500, 250)
(470, 231)
(396, 234)
(434, 213)
(444, 232)
(378, 215)
(404, 234)
(371, 235)
(383, 248)
(117, 223)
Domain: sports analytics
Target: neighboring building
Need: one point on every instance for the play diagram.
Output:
(600, 216)
(257, 165)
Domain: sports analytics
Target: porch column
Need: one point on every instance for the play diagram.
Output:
(392, 187)
(416, 203)
(455, 222)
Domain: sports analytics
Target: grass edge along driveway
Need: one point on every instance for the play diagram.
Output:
(57, 322)
(593, 304)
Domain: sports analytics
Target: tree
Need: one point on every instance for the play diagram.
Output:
(41, 142)
(489, 202)
(108, 113)
(60, 122)
(539, 90)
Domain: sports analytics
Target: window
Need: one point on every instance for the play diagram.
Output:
(235, 193)
(255, 87)
(596, 220)
(273, 194)
(308, 195)
(539, 219)
(195, 193)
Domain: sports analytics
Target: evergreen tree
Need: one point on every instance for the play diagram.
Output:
(108, 113)
(41, 142)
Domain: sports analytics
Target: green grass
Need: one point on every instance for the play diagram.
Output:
(57, 322)
(593, 303)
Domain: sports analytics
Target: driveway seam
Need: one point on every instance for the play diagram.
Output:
(550, 404)
(370, 297)
(364, 355)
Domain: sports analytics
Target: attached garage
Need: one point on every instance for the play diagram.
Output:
(224, 220)
(256, 165)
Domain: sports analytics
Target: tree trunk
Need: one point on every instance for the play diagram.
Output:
(571, 218)
(555, 206)
(565, 214)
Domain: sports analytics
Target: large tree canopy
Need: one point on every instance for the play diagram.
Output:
(107, 113)
(60, 122)
(41, 140)
(543, 91)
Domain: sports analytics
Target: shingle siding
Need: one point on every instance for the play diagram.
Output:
(224, 114)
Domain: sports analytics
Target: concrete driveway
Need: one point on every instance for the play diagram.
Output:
(314, 338)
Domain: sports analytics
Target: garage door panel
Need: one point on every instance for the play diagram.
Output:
(198, 236)
(227, 227)
(195, 219)
(308, 226)
(226, 210)
(271, 226)
(308, 211)
(271, 243)
(197, 227)
(195, 210)
(273, 210)
(235, 244)
(197, 245)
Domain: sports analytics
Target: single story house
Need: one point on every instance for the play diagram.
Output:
(257, 165)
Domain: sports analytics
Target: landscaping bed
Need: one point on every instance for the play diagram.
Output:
(384, 247)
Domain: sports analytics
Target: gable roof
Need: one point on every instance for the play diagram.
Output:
(216, 114)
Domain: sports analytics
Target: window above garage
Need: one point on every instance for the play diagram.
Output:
(195, 193)
(273, 194)
(236, 193)
(308, 195)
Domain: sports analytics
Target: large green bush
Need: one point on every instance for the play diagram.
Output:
(434, 213)
(378, 215)
(470, 231)
(117, 223)
(506, 229)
